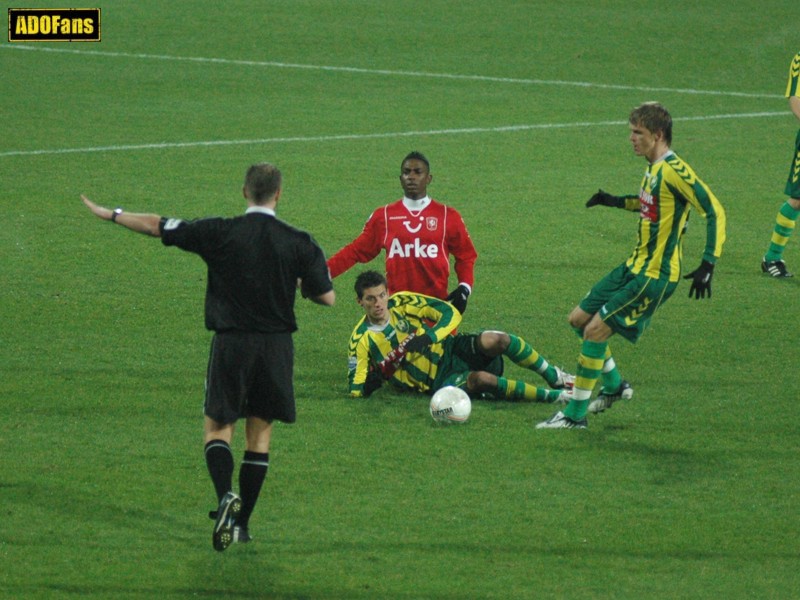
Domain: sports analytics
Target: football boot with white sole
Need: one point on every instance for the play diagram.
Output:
(604, 400)
(562, 421)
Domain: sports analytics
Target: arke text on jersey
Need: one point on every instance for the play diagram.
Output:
(415, 250)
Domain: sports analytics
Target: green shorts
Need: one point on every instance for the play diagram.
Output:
(626, 302)
(793, 183)
(461, 355)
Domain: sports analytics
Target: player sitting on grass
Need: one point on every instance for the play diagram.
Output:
(395, 341)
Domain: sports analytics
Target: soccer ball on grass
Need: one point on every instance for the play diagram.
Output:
(450, 405)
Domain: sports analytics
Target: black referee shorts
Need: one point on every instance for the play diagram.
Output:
(250, 375)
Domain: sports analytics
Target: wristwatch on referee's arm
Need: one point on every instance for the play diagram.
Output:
(115, 213)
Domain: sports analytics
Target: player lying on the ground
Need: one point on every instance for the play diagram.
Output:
(395, 341)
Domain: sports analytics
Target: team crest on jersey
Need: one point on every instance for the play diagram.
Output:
(431, 223)
(402, 326)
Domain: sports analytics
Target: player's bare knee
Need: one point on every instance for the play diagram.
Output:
(578, 318)
(493, 342)
(597, 330)
(480, 381)
(472, 382)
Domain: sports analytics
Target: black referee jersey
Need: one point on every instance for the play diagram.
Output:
(254, 262)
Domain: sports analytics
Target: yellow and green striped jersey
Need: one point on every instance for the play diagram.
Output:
(793, 87)
(408, 313)
(669, 189)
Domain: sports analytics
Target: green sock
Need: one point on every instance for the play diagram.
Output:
(590, 367)
(611, 377)
(784, 226)
(522, 353)
(516, 390)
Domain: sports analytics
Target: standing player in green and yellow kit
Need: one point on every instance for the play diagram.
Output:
(405, 339)
(785, 222)
(625, 300)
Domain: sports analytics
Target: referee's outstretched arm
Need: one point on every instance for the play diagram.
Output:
(139, 222)
(148, 224)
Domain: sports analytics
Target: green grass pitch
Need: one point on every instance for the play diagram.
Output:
(688, 491)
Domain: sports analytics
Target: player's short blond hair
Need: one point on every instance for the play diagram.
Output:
(654, 117)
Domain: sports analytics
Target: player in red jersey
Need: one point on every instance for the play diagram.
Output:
(418, 234)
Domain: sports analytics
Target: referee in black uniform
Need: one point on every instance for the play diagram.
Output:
(254, 264)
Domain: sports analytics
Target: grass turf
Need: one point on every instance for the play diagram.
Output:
(686, 491)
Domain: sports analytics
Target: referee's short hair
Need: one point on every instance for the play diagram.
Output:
(262, 181)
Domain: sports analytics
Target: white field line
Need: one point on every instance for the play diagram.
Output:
(392, 73)
(367, 136)
(356, 136)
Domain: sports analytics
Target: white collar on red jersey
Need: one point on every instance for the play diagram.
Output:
(416, 204)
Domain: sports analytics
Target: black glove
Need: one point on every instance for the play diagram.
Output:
(701, 280)
(605, 199)
(373, 382)
(417, 343)
(394, 358)
(458, 298)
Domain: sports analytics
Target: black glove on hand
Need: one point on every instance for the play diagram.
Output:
(605, 199)
(391, 362)
(458, 298)
(701, 280)
(373, 382)
(417, 343)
